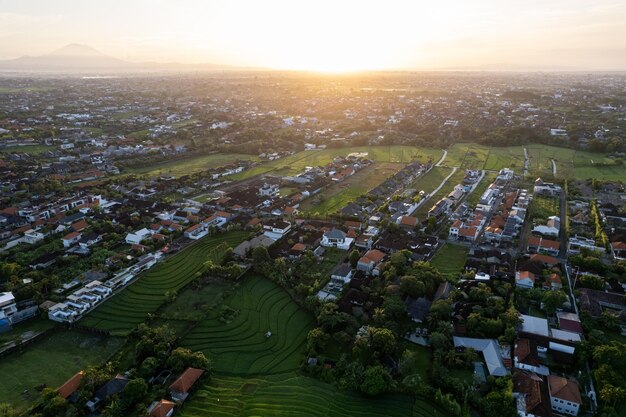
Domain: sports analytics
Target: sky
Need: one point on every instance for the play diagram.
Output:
(328, 35)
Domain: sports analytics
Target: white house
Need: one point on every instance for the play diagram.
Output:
(31, 237)
(71, 238)
(276, 229)
(269, 190)
(336, 238)
(138, 236)
(546, 188)
(564, 395)
(197, 231)
(7, 305)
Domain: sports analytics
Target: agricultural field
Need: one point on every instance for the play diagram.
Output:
(31, 149)
(450, 259)
(193, 303)
(337, 196)
(288, 394)
(131, 306)
(50, 361)
(573, 164)
(296, 163)
(235, 337)
(475, 156)
(185, 166)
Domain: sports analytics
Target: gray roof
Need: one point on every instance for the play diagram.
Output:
(335, 234)
(490, 350)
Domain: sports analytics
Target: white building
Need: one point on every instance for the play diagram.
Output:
(31, 237)
(276, 229)
(138, 236)
(7, 305)
(336, 238)
(564, 395)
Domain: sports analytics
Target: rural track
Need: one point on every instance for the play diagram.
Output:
(443, 158)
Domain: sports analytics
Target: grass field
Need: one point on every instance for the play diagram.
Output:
(337, 196)
(240, 347)
(288, 394)
(474, 197)
(450, 259)
(51, 362)
(296, 163)
(448, 187)
(431, 180)
(31, 149)
(543, 207)
(131, 306)
(185, 166)
(571, 164)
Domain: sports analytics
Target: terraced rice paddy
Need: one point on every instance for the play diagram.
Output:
(131, 306)
(290, 395)
(241, 347)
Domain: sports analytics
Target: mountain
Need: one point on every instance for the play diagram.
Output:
(75, 58)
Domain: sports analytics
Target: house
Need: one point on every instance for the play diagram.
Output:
(31, 237)
(524, 279)
(342, 273)
(526, 357)
(564, 395)
(89, 240)
(468, 233)
(453, 233)
(551, 228)
(195, 232)
(546, 188)
(70, 238)
(417, 308)
(70, 387)
(531, 395)
(161, 408)
(569, 322)
(276, 229)
(618, 250)
(138, 236)
(576, 243)
(440, 208)
(364, 241)
(180, 388)
(490, 350)
(269, 190)
(113, 387)
(554, 281)
(368, 261)
(408, 222)
(7, 305)
(544, 259)
(539, 244)
(336, 238)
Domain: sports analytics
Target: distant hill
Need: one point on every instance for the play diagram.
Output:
(83, 58)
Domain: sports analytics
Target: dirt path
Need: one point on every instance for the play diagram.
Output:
(526, 161)
(553, 168)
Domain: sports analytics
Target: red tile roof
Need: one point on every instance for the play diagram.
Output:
(162, 408)
(71, 385)
(564, 389)
(186, 380)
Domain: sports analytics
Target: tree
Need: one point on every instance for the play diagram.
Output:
(553, 300)
(611, 394)
(412, 287)
(316, 339)
(182, 358)
(135, 391)
(376, 379)
(354, 258)
(149, 366)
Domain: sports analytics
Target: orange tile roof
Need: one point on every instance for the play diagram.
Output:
(79, 225)
(299, 247)
(408, 220)
(373, 255)
(526, 274)
(162, 408)
(71, 235)
(564, 389)
(549, 260)
(71, 385)
(469, 232)
(186, 380)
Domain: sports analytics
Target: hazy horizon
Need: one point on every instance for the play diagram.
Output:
(328, 36)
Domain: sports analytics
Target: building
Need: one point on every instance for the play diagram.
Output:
(368, 262)
(276, 229)
(546, 188)
(180, 388)
(269, 190)
(70, 387)
(490, 350)
(138, 236)
(564, 395)
(539, 244)
(532, 398)
(576, 243)
(70, 238)
(524, 279)
(31, 237)
(7, 305)
(161, 408)
(336, 238)
(569, 322)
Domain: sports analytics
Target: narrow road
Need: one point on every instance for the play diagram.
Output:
(443, 158)
(526, 161)
(553, 168)
(563, 225)
(427, 197)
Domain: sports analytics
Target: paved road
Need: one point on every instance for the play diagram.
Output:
(563, 225)
(427, 196)
(553, 168)
(526, 161)
(443, 158)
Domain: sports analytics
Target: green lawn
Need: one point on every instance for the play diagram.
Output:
(185, 166)
(296, 163)
(240, 347)
(288, 394)
(31, 149)
(337, 196)
(131, 306)
(26, 328)
(543, 207)
(431, 179)
(51, 362)
(450, 259)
